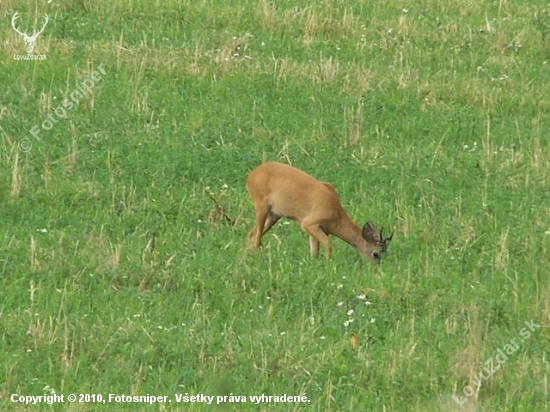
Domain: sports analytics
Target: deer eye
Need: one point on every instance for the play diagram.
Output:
(376, 255)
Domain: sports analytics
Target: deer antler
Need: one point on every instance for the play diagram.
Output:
(385, 241)
(15, 16)
(35, 35)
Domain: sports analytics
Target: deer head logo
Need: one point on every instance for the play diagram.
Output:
(30, 40)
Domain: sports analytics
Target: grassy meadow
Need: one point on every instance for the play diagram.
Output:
(124, 266)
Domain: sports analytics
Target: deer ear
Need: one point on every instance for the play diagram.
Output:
(370, 232)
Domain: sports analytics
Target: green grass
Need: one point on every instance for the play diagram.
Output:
(119, 273)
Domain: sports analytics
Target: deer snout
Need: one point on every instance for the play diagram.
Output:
(376, 256)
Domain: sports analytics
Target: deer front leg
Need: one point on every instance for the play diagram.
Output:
(317, 235)
(313, 246)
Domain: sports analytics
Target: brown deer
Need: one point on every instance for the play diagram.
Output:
(278, 190)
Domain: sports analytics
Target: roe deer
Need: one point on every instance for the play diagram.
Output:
(279, 190)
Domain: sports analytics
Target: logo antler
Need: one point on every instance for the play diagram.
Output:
(30, 40)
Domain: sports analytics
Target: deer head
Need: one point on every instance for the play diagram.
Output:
(371, 234)
(30, 40)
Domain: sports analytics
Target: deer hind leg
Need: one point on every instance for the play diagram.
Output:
(255, 235)
(265, 220)
(272, 218)
(317, 235)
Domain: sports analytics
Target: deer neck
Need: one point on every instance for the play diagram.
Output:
(348, 231)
